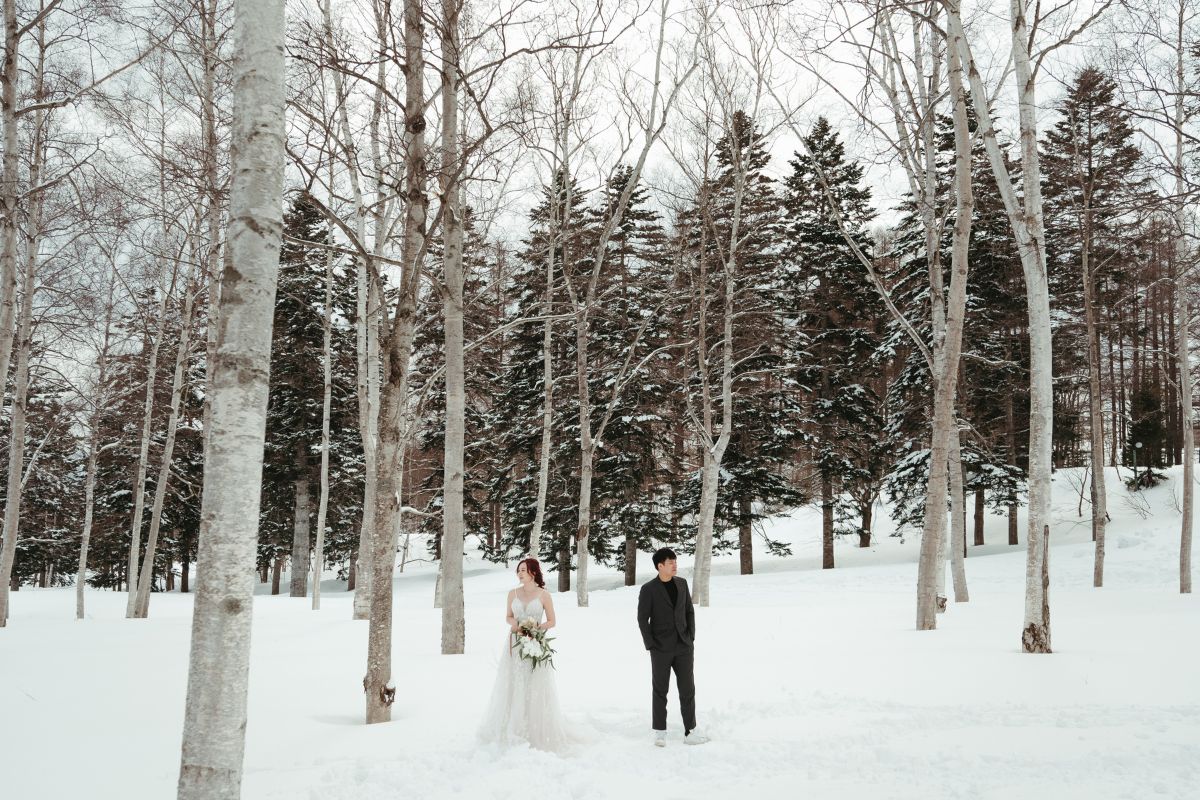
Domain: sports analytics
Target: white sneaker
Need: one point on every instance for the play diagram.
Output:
(660, 738)
(696, 736)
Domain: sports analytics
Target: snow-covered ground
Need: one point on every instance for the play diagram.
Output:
(812, 684)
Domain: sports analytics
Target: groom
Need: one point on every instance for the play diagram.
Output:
(668, 623)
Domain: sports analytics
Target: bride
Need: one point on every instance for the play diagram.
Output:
(524, 705)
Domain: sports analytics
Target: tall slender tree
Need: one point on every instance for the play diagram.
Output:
(214, 727)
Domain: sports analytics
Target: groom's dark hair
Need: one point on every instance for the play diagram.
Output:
(662, 554)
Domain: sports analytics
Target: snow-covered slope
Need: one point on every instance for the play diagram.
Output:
(812, 683)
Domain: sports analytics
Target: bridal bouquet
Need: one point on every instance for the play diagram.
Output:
(532, 644)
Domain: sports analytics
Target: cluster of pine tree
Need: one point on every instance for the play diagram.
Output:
(830, 404)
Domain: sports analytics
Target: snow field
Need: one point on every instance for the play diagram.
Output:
(812, 683)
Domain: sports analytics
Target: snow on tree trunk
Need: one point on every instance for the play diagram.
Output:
(214, 727)
(453, 469)
(142, 604)
(301, 530)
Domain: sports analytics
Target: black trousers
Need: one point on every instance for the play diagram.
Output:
(681, 659)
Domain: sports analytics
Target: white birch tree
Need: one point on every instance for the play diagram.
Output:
(98, 404)
(1023, 205)
(218, 668)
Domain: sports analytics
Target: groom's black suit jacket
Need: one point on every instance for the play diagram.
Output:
(665, 625)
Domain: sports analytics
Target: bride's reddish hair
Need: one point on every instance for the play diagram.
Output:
(535, 571)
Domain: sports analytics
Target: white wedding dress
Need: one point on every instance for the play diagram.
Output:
(524, 704)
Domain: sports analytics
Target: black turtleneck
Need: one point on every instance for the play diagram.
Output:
(672, 591)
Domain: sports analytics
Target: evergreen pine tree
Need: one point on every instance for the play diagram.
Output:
(757, 475)
(1092, 195)
(834, 305)
(293, 434)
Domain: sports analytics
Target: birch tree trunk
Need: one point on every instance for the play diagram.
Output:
(326, 403)
(715, 452)
(368, 426)
(366, 326)
(931, 566)
(298, 583)
(453, 525)
(143, 462)
(931, 570)
(210, 58)
(547, 403)
(1035, 632)
(1185, 393)
(214, 726)
(587, 455)
(558, 226)
(1095, 410)
(16, 446)
(9, 189)
(394, 429)
(958, 521)
(145, 581)
(24, 344)
(89, 490)
(1182, 286)
(539, 517)
(1025, 215)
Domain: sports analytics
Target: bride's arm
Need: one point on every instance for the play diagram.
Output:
(548, 604)
(512, 621)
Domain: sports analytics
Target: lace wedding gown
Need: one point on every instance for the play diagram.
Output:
(524, 704)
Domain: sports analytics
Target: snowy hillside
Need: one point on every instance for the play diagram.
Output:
(812, 684)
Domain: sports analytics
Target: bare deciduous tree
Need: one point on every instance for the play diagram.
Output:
(215, 717)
